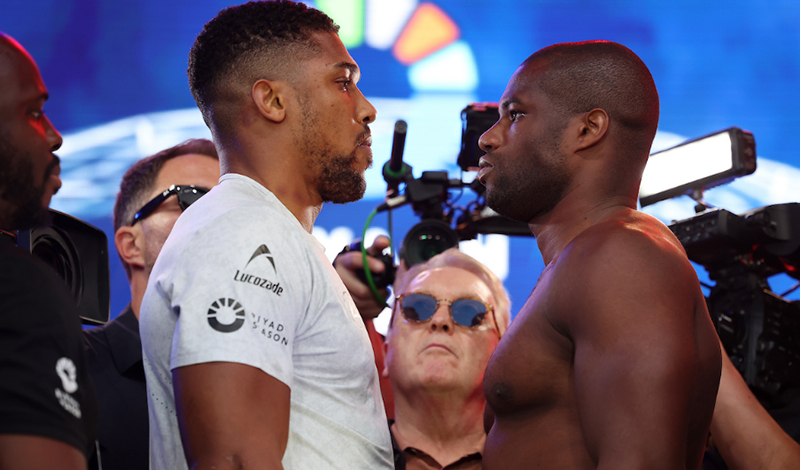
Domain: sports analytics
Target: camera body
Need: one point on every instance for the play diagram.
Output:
(759, 329)
(78, 253)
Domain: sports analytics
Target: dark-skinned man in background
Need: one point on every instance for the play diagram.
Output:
(47, 408)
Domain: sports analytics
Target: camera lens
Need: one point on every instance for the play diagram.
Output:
(426, 240)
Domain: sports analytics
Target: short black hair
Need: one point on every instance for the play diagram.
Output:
(248, 42)
(137, 183)
(582, 76)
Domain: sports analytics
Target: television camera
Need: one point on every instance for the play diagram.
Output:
(78, 253)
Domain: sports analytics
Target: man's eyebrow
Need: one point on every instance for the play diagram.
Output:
(353, 68)
(506, 103)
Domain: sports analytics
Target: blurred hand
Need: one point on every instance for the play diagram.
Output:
(347, 264)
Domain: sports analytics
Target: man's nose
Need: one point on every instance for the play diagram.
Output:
(490, 140)
(442, 320)
(53, 136)
(366, 112)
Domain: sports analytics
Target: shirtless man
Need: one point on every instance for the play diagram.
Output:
(613, 361)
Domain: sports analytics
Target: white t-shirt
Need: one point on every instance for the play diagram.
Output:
(240, 280)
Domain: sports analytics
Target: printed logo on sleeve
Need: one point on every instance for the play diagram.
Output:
(226, 315)
(269, 328)
(262, 250)
(259, 280)
(67, 372)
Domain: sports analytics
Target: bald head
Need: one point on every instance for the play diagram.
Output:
(579, 77)
(16, 66)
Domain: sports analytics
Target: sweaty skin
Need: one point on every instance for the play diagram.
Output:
(594, 368)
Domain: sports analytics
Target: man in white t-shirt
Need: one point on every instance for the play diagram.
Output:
(254, 352)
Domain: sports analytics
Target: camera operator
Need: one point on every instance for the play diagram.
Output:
(47, 408)
(153, 193)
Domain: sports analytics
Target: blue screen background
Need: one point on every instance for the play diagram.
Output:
(117, 80)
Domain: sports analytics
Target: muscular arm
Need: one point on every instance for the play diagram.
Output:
(745, 434)
(22, 452)
(231, 416)
(644, 381)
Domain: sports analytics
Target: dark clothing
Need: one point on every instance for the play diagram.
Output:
(45, 388)
(401, 457)
(114, 353)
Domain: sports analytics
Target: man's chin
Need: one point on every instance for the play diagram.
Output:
(506, 207)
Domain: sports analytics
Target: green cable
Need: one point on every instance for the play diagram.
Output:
(367, 272)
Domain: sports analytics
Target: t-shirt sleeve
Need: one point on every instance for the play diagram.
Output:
(45, 389)
(240, 299)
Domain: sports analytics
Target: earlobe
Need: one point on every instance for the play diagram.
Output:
(130, 245)
(593, 127)
(268, 99)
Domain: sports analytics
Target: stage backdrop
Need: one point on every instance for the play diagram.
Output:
(116, 74)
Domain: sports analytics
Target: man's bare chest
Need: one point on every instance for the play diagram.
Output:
(531, 368)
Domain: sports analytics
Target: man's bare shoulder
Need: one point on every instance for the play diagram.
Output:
(638, 242)
(630, 266)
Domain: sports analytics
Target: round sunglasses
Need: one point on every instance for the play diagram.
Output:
(420, 308)
(186, 194)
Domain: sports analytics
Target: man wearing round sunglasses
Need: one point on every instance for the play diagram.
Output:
(153, 194)
(448, 316)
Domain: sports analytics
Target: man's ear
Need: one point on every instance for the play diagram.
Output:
(130, 245)
(593, 127)
(270, 100)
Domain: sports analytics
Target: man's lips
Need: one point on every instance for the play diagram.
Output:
(437, 346)
(52, 174)
(364, 141)
(485, 167)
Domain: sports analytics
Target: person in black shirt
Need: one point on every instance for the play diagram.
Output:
(114, 351)
(47, 408)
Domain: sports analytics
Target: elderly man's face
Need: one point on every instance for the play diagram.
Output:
(438, 355)
(28, 169)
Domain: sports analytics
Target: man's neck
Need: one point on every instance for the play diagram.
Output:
(556, 229)
(283, 179)
(138, 284)
(443, 426)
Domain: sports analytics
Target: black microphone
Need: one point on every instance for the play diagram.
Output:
(398, 145)
(395, 171)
